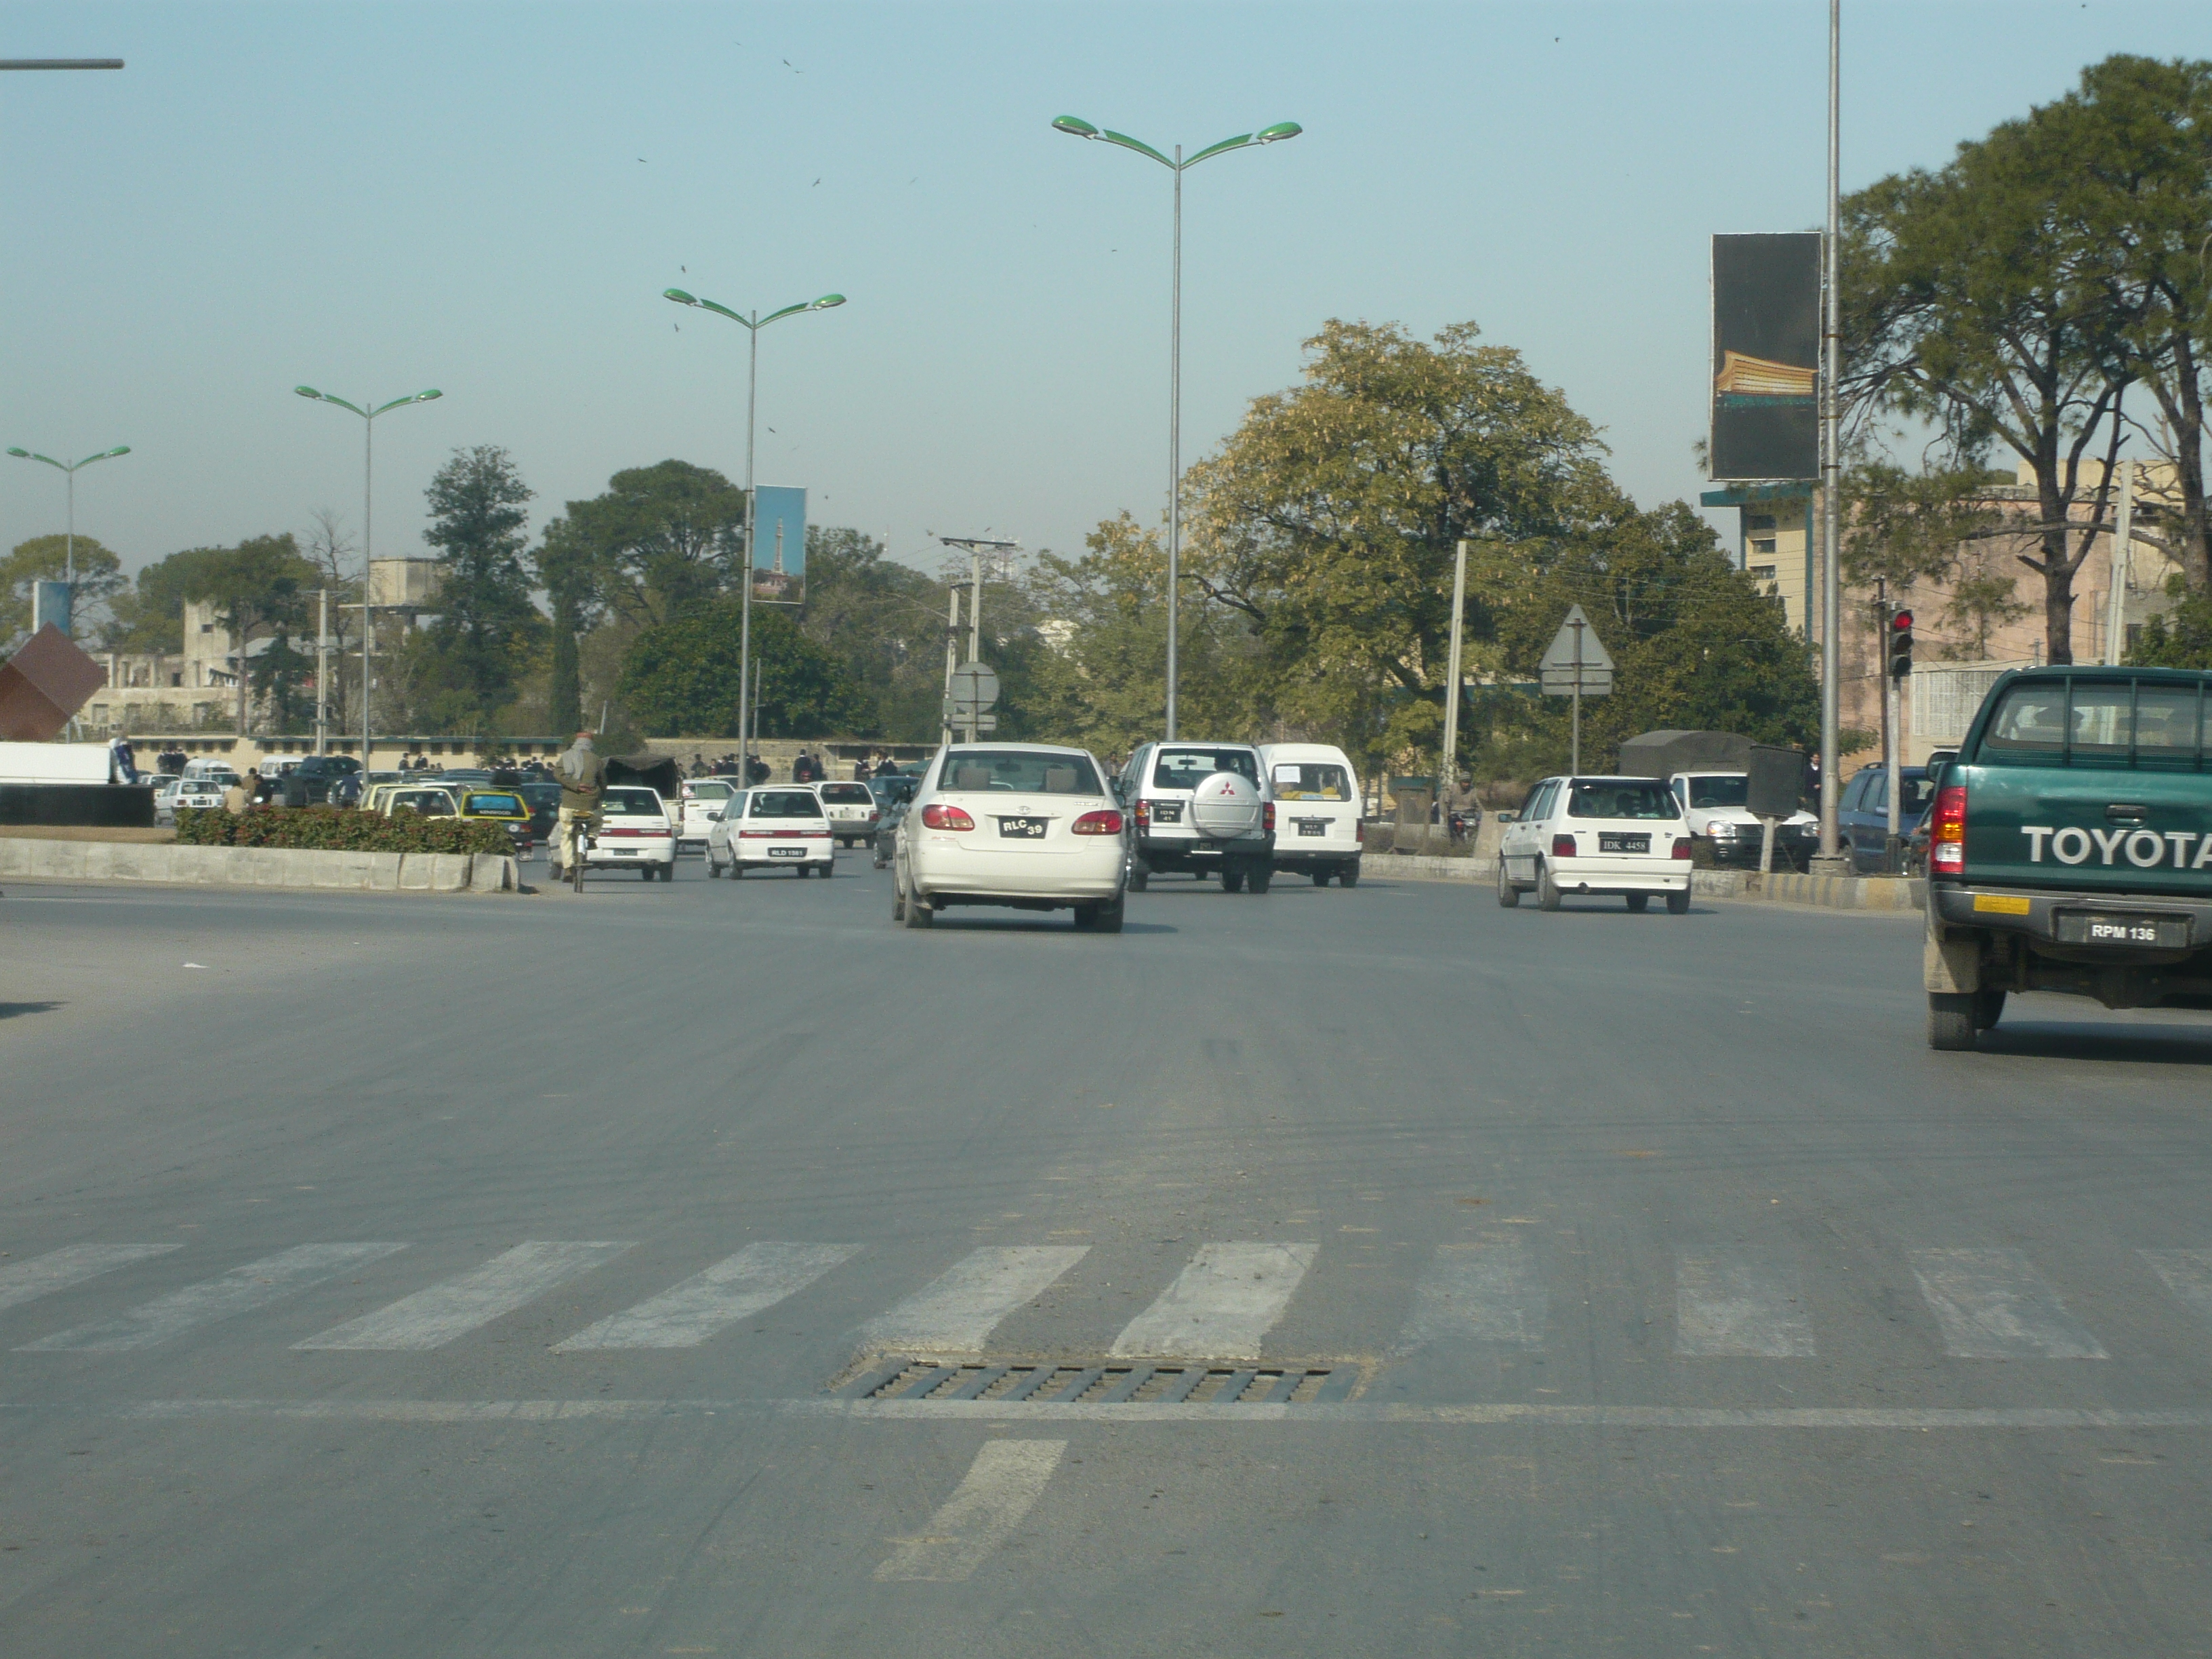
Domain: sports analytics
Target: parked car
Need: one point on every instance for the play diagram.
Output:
(771, 825)
(1862, 816)
(1714, 806)
(889, 788)
(505, 807)
(430, 803)
(851, 809)
(208, 767)
(1160, 786)
(310, 783)
(1591, 836)
(634, 829)
(1024, 825)
(1319, 828)
(196, 793)
(703, 798)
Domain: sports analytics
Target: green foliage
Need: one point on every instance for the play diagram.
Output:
(661, 539)
(487, 629)
(339, 829)
(680, 678)
(45, 559)
(2180, 638)
(884, 624)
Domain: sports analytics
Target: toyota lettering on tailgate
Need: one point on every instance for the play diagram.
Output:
(2144, 848)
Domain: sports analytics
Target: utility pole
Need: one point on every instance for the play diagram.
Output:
(1575, 748)
(1832, 587)
(951, 659)
(1450, 778)
(2116, 612)
(323, 673)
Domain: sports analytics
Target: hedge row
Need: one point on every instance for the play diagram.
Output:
(337, 829)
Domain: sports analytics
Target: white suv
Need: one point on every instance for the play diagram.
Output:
(1591, 836)
(1160, 786)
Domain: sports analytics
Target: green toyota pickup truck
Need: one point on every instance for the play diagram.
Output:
(2071, 847)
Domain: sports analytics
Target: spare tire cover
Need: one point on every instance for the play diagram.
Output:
(1226, 804)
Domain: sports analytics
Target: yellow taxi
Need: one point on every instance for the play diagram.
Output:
(501, 807)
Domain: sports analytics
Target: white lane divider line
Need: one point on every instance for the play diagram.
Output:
(433, 1316)
(1000, 1488)
(1992, 1304)
(241, 1290)
(957, 1311)
(1487, 1292)
(56, 1270)
(686, 1315)
(1222, 1304)
(2188, 1275)
(1732, 1306)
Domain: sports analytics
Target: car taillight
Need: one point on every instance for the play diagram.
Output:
(1267, 816)
(1563, 847)
(937, 816)
(1107, 822)
(1682, 848)
(1948, 854)
(1144, 815)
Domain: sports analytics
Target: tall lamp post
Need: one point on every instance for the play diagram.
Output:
(69, 559)
(367, 546)
(753, 323)
(1076, 127)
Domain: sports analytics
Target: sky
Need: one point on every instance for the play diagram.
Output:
(375, 197)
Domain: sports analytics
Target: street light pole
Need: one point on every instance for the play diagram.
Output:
(368, 541)
(1076, 127)
(753, 323)
(69, 556)
(1832, 587)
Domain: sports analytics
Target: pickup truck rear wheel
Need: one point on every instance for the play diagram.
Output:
(1950, 1020)
(1989, 1007)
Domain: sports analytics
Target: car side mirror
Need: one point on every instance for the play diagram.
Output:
(714, 818)
(1508, 817)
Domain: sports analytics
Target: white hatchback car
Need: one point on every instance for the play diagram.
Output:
(851, 809)
(1590, 836)
(634, 831)
(772, 825)
(1023, 825)
(197, 795)
(703, 799)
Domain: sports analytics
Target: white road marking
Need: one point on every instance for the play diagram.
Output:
(433, 1316)
(957, 1311)
(1222, 1304)
(1733, 1306)
(2188, 1275)
(56, 1270)
(1487, 1292)
(1908, 1419)
(241, 1290)
(684, 1315)
(1991, 1305)
(1000, 1488)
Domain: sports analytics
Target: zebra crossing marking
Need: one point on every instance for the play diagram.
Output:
(1992, 1304)
(2187, 1274)
(684, 1315)
(452, 1307)
(1736, 1306)
(1487, 1292)
(1221, 1305)
(256, 1285)
(957, 1311)
(56, 1270)
(1001, 1486)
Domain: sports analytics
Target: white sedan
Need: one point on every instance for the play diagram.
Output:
(634, 830)
(763, 828)
(199, 794)
(1624, 836)
(1022, 826)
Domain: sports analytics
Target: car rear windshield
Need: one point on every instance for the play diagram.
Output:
(495, 803)
(1719, 792)
(785, 804)
(2097, 723)
(1185, 769)
(542, 794)
(430, 803)
(708, 789)
(853, 794)
(632, 804)
(1311, 780)
(1622, 800)
(1021, 772)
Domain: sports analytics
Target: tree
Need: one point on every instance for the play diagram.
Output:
(661, 538)
(45, 558)
(884, 623)
(487, 626)
(680, 678)
(257, 587)
(2182, 636)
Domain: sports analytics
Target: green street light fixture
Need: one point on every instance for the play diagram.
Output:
(369, 414)
(1076, 127)
(69, 564)
(753, 323)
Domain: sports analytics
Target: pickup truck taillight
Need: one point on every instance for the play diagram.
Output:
(937, 816)
(1144, 815)
(1563, 847)
(1107, 822)
(1947, 839)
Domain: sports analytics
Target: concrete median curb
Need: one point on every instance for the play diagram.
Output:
(257, 866)
(1826, 892)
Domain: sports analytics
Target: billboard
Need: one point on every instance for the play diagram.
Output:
(780, 546)
(1766, 357)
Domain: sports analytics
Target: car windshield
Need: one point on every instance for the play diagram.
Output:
(1719, 791)
(851, 795)
(430, 803)
(1630, 798)
(1309, 780)
(1185, 769)
(706, 789)
(785, 804)
(1019, 771)
(540, 794)
(508, 804)
(632, 804)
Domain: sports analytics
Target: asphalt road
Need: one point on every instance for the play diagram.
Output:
(502, 1276)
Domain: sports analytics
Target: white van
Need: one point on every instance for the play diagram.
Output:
(1319, 832)
(211, 766)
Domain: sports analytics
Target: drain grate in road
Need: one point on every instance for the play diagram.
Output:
(1125, 1382)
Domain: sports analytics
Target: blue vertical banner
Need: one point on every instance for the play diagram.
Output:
(780, 546)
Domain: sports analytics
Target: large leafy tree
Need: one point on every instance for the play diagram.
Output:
(259, 591)
(45, 559)
(662, 539)
(884, 623)
(680, 678)
(487, 627)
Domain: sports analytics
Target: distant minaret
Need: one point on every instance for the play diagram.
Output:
(779, 547)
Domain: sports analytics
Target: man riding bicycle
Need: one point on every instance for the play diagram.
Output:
(583, 778)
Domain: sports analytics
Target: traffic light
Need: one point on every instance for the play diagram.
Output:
(1900, 644)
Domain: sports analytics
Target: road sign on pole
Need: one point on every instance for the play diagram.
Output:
(1576, 664)
(973, 694)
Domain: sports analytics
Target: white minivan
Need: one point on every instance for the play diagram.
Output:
(1624, 836)
(1319, 832)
